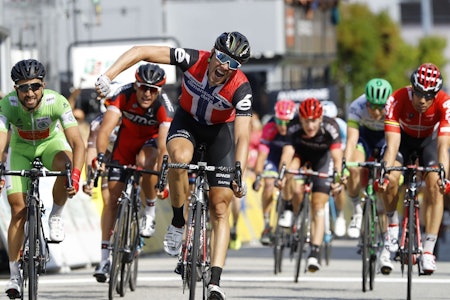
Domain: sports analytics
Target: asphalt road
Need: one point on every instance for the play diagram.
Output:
(249, 275)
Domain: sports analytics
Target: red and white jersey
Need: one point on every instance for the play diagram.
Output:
(210, 104)
(400, 114)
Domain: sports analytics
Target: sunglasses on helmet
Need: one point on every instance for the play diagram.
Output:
(428, 96)
(224, 58)
(24, 88)
(145, 87)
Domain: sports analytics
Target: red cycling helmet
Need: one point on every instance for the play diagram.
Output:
(285, 110)
(427, 78)
(310, 108)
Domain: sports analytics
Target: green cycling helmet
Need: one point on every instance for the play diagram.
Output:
(378, 91)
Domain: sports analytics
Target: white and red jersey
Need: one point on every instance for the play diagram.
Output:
(401, 115)
(210, 104)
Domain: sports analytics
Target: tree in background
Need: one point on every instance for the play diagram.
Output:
(370, 45)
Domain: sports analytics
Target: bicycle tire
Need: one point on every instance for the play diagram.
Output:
(133, 266)
(365, 238)
(411, 239)
(302, 231)
(117, 250)
(128, 252)
(33, 252)
(278, 243)
(195, 251)
(375, 239)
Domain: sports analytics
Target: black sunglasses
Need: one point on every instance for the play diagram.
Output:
(427, 96)
(24, 88)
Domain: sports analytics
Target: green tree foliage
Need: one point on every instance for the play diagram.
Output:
(370, 45)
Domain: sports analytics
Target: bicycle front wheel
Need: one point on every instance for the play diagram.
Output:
(33, 251)
(411, 249)
(365, 243)
(117, 242)
(302, 231)
(192, 269)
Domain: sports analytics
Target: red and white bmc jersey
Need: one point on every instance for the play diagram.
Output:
(210, 104)
(400, 114)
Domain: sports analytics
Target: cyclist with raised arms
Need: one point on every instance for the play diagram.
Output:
(413, 114)
(365, 133)
(216, 109)
(145, 113)
(313, 140)
(42, 125)
(268, 160)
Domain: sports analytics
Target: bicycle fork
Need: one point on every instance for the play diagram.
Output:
(405, 232)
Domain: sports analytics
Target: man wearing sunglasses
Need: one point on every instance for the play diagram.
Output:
(268, 160)
(42, 125)
(365, 138)
(417, 121)
(144, 112)
(215, 107)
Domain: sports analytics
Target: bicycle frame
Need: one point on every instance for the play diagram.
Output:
(410, 246)
(195, 249)
(125, 242)
(371, 239)
(301, 228)
(35, 251)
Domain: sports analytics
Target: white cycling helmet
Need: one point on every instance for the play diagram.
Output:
(329, 109)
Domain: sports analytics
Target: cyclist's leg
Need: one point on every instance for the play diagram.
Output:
(235, 242)
(107, 221)
(219, 199)
(433, 209)
(317, 228)
(353, 189)
(16, 193)
(55, 154)
(147, 158)
(287, 193)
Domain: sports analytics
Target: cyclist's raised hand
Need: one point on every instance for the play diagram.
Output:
(103, 86)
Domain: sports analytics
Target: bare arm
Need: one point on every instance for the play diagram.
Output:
(75, 141)
(392, 145)
(155, 54)
(110, 120)
(242, 128)
(162, 150)
(3, 144)
(443, 144)
(352, 140)
(286, 156)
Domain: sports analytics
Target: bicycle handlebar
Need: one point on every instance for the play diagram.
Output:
(385, 170)
(198, 167)
(37, 172)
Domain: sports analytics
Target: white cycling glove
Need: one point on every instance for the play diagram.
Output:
(103, 85)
